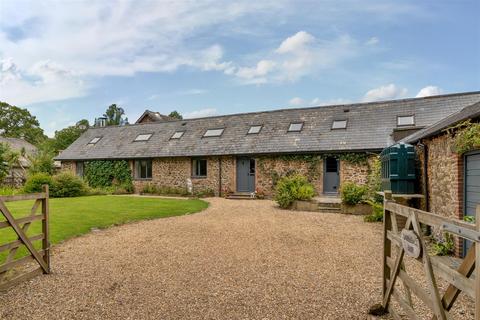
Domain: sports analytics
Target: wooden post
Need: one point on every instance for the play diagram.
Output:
(387, 244)
(477, 266)
(45, 228)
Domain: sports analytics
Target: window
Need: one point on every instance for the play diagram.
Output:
(405, 121)
(143, 137)
(177, 134)
(143, 169)
(95, 140)
(339, 124)
(295, 127)
(254, 129)
(213, 133)
(199, 168)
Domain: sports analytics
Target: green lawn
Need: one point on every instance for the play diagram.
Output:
(70, 217)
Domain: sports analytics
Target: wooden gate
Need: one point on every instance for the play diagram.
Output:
(408, 242)
(20, 226)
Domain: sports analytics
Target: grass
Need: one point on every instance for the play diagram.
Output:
(71, 217)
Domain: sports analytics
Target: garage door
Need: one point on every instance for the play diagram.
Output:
(472, 185)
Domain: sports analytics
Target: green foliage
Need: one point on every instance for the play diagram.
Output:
(352, 193)
(443, 247)
(102, 174)
(114, 115)
(35, 182)
(470, 219)
(67, 136)
(9, 191)
(377, 214)
(19, 123)
(151, 188)
(467, 136)
(42, 162)
(4, 165)
(374, 182)
(176, 115)
(204, 193)
(291, 188)
(68, 185)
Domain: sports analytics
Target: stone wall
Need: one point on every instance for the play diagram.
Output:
(354, 172)
(68, 166)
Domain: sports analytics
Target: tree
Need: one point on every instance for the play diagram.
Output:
(114, 115)
(16, 122)
(4, 164)
(67, 136)
(176, 115)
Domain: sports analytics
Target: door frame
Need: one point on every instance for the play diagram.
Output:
(464, 193)
(237, 173)
(324, 176)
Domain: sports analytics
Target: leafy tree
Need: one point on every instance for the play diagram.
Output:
(67, 136)
(114, 115)
(4, 166)
(176, 115)
(83, 124)
(16, 122)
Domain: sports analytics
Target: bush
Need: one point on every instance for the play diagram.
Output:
(9, 191)
(35, 181)
(377, 214)
(68, 185)
(291, 188)
(443, 247)
(103, 174)
(162, 190)
(353, 194)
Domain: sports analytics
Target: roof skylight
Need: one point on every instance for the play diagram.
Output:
(339, 124)
(213, 132)
(295, 127)
(95, 140)
(143, 137)
(405, 120)
(254, 129)
(177, 135)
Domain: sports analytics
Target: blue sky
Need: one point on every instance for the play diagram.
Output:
(68, 60)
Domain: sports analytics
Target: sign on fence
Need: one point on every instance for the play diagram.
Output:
(20, 226)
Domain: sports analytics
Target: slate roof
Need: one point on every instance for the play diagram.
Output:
(17, 144)
(470, 112)
(369, 128)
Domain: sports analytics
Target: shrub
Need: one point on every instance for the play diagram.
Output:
(9, 191)
(163, 190)
(377, 214)
(35, 181)
(443, 247)
(352, 193)
(68, 185)
(374, 183)
(291, 188)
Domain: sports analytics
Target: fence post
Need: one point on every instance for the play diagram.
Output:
(387, 244)
(477, 266)
(45, 228)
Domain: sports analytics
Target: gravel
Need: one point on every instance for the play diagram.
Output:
(239, 259)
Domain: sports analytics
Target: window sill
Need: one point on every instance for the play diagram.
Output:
(142, 179)
(199, 177)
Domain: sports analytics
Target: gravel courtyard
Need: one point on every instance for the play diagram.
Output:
(236, 260)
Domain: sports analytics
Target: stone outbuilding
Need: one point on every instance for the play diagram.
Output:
(17, 174)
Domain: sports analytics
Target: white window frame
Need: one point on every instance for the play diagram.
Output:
(177, 135)
(95, 140)
(255, 129)
(213, 132)
(292, 124)
(410, 124)
(143, 137)
(339, 124)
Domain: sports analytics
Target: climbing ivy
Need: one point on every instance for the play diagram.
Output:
(101, 174)
(466, 136)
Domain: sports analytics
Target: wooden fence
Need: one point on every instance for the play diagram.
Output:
(402, 236)
(20, 226)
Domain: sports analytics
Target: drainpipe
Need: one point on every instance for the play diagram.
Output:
(425, 175)
(219, 176)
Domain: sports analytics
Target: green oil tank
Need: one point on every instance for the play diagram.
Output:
(398, 168)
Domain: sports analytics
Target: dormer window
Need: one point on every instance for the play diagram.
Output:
(254, 129)
(143, 137)
(213, 132)
(95, 140)
(403, 121)
(339, 124)
(177, 135)
(295, 127)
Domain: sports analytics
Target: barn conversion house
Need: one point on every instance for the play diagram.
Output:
(248, 152)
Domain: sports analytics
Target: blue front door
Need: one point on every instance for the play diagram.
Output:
(245, 175)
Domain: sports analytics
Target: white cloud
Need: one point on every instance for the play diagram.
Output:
(387, 92)
(372, 41)
(297, 101)
(207, 112)
(429, 91)
(296, 42)
(256, 74)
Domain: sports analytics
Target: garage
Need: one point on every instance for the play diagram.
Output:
(472, 186)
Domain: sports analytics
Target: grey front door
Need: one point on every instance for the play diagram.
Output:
(472, 187)
(331, 176)
(245, 175)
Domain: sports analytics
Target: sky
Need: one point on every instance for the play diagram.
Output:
(69, 60)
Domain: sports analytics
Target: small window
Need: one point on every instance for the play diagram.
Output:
(295, 127)
(339, 124)
(177, 134)
(213, 133)
(143, 137)
(199, 168)
(95, 140)
(143, 169)
(405, 121)
(254, 129)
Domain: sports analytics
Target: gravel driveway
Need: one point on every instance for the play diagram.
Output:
(239, 259)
